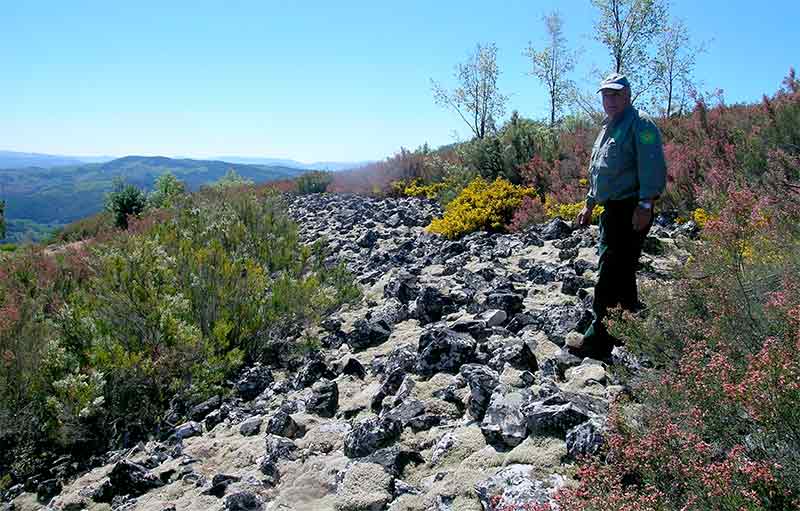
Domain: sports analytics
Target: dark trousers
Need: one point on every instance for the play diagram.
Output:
(620, 248)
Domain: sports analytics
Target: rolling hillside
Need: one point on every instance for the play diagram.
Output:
(38, 198)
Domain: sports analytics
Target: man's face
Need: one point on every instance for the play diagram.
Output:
(615, 101)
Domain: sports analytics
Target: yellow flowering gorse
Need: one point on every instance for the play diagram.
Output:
(480, 206)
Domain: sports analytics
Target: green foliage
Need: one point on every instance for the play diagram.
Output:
(503, 155)
(2, 219)
(123, 201)
(166, 191)
(313, 182)
(231, 180)
(480, 206)
(95, 342)
(90, 227)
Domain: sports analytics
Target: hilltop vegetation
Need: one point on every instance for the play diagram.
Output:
(39, 199)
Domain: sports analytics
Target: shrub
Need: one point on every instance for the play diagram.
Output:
(480, 206)
(95, 342)
(313, 182)
(124, 201)
(99, 225)
(166, 191)
(415, 188)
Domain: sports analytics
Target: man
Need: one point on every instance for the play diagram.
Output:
(627, 174)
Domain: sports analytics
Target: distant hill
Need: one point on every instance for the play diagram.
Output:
(319, 165)
(15, 160)
(62, 194)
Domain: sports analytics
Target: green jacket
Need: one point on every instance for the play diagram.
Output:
(627, 160)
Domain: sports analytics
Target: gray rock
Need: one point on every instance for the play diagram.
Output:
(429, 305)
(553, 416)
(542, 273)
(282, 424)
(555, 229)
(243, 501)
(493, 317)
(369, 333)
(368, 239)
(371, 434)
(406, 410)
(402, 287)
(251, 426)
(567, 254)
(311, 371)
(253, 382)
(585, 439)
(324, 398)
(504, 422)
(573, 283)
(199, 412)
(514, 488)
(482, 382)
(128, 478)
(188, 430)
(509, 302)
(443, 350)
(216, 417)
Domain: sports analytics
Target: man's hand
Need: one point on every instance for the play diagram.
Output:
(641, 218)
(584, 218)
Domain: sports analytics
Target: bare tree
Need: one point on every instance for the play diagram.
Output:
(628, 28)
(552, 64)
(477, 99)
(673, 66)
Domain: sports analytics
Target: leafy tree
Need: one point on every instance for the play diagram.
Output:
(123, 201)
(552, 64)
(231, 180)
(672, 66)
(628, 28)
(477, 99)
(166, 191)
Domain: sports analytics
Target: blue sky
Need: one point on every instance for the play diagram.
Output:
(311, 80)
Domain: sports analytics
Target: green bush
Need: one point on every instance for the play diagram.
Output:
(95, 341)
(123, 201)
(313, 182)
(167, 191)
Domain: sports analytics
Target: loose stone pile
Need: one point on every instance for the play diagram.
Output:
(446, 388)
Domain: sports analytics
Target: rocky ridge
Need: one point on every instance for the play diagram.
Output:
(447, 388)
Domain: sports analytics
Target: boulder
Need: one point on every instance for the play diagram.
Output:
(443, 350)
(371, 434)
(482, 382)
(324, 398)
(251, 426)
(504, 423)
(128, 478)
(187, 430)
(243, 501)
(584, 439)
(253, 381)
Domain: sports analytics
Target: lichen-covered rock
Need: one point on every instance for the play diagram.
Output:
(251, 426)
(585, 439)
(364, 487)
(324, 398)
(370, 435)
(128, 478)
(443, 350)
(482, 382)
(243, 501)
(504, 423)
(253, 382)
